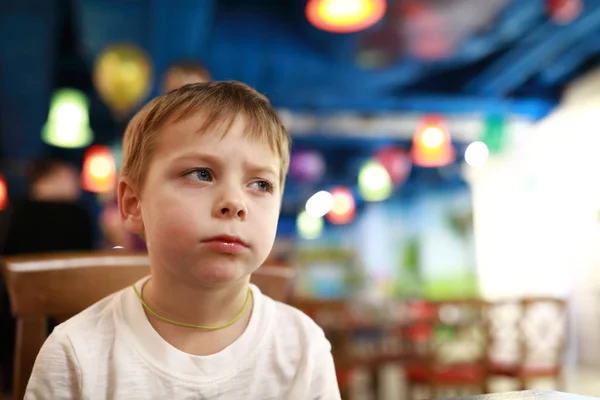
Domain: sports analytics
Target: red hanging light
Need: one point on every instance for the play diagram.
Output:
(397, 163)
(99, 172)
(432, 146)
(564, 11)
(345, 16)
(3, 193)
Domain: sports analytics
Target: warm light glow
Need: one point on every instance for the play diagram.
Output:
(432, 146)
(344, 207)
(433, 137)
(342, 204)
(345, 16)
(3, 193)
(101, 167)
(99, 171)
(319, 204)
(309, 227)
(374, 182)
(476, 154)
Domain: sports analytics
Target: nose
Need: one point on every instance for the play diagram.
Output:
(230, 205)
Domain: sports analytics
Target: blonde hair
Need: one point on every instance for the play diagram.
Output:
(220, 103)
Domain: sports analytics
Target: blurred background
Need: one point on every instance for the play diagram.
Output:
(443, 151)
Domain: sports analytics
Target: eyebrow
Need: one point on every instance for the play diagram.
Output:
(200, 157)
(218, 161)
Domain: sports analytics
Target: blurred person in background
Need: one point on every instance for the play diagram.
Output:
(48, 220)
(183, 73)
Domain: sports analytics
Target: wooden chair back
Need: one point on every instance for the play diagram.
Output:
(61, 285)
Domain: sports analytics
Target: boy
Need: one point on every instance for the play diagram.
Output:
(178, 75)
(202, 180)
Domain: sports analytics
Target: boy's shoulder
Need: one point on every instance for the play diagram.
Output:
(98, 318)
(291, 322)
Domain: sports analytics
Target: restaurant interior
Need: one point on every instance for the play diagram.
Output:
(441, 215)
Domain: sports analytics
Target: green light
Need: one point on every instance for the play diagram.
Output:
(494, 135)
(309, 227)
(68, 120)
(374, 182)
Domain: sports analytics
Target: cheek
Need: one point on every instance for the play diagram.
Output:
(267, 223)
(170, 221)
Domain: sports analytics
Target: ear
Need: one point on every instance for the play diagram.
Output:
(130, 209)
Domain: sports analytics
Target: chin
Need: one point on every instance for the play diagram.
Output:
(220, 272)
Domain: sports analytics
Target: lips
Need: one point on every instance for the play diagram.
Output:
(225, 244)
(227, 239)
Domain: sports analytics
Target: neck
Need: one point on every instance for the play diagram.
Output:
(188, 304)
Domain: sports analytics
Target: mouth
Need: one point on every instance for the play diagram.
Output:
(226, 244)
(227, 239)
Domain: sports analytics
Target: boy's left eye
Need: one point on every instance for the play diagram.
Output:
(263, 186)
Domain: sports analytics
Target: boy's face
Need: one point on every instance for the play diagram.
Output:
(210, 203)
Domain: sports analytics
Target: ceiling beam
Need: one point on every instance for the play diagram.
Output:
(568, 62)
(529, 56)
(450, 105)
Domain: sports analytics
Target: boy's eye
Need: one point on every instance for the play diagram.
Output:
(263, 186)
(200, 174)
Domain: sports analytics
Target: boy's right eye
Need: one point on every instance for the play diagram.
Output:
(200, 174)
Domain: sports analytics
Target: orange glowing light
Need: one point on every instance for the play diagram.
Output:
(3, 193)
(99, 173)
(344, 207)
(432, 146)
(345, 16)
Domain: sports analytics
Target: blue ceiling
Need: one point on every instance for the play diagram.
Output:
(516, 63)
(270, 45)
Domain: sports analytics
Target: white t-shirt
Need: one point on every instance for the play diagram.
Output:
(111, 351)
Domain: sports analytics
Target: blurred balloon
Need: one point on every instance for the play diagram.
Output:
(123, 77)
(99, 173)
(183, 73)
(396, 162)
(68, 122)
(307, 166)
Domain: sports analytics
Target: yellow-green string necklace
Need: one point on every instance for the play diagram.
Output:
(207, 328)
